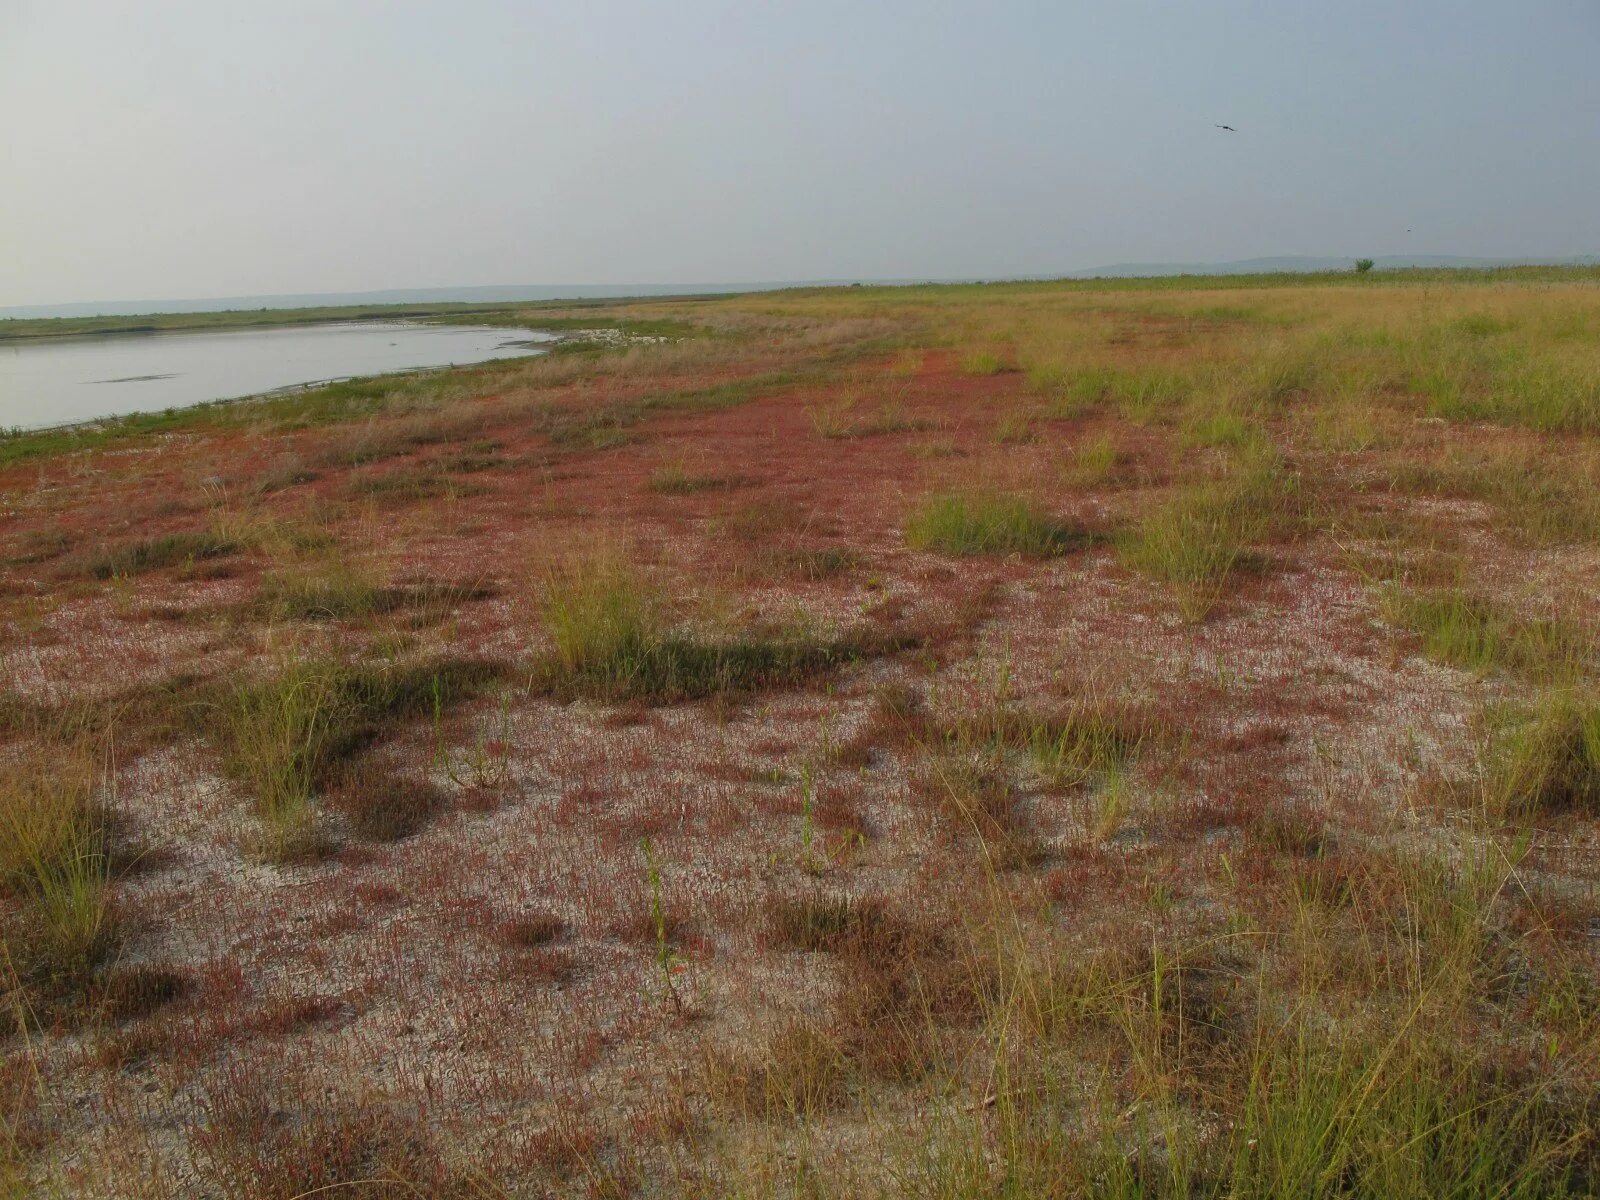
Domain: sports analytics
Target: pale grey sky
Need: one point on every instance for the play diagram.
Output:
(158, 148)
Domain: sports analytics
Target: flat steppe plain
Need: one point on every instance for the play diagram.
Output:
(1113, 737)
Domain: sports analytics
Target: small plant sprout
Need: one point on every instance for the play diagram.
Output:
(1111, 802)
(808, 797)
(486, 765)
(668, 962)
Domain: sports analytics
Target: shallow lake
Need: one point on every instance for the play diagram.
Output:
(56, 381)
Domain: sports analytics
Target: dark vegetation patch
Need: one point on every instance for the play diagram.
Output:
(264, 1147)
(531, 930)
(904, 983)
(665, 668)
(412, 485)
(380, 803)
(978, 797)
(43, 545)
(1468, 629)
(337, 595)
(153, 554)
(814, 563)
(129, 993)
(1546, 759)
(604, 425)
(680, 479)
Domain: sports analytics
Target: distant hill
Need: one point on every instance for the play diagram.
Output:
(1303, 263)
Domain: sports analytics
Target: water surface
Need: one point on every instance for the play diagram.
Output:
(57, 381)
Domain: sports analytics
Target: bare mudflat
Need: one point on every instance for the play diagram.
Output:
(1030, 740)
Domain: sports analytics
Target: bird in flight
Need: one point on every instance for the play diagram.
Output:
(1229, 128)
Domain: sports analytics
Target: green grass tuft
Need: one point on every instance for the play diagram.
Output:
(152, 554)
(1468, 630)
(1546, 759)
(1202, 536)
(285, 736)
(54, 863)
(962, 523)
(611, 642)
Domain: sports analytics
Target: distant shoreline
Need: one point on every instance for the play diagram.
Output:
(38, 329)
(499, 295)
(517, 312)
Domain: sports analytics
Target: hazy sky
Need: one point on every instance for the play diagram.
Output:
(162, 148)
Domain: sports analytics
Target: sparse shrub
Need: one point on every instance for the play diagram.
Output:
(810, 562)
(43, 545)
(255, 1146)
(819, 922)
(1094, 463)
(409, 485)
(280, 736)
(988, 523)
(286, 472)
(1072, 392)
(1014, 428)
(381, 803)
(335, 589)
(1219, 427)
(128, 993)
(765, 520)
(531, 930)
(978, 797)
(341, 589)
(898, 716)
(1286, 829)
(799, 1073)
(1363, 265)
(1547, 498)
(598, 613)
(936, 448)
(668, 963)
(846, 418)
(907, 363)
